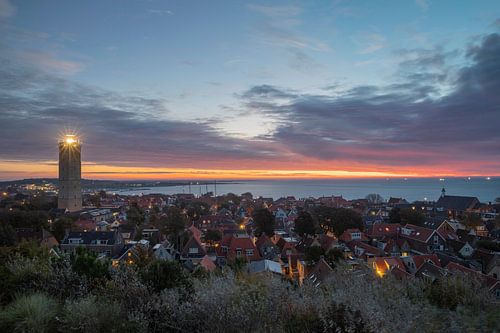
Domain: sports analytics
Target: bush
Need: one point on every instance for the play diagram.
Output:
(32, 313)
(92, 315)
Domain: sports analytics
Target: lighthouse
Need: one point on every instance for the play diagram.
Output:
(70, 173)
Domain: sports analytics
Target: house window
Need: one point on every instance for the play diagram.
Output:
(249, 252)
(356, 235)
(436, 239)
(75, 241)
(238, 252)
(193, 250)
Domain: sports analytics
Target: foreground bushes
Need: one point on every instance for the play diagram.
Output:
(48, 295)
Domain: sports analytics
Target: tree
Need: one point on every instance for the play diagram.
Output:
(304, 224)
(338, 220)
(395, 215)
(59, 227)
(174, 222)
(471, 219)
(7, 235)
(162, 274)
(406, 215)
(314, 253)
(374, 198)
(84, 262)
(212, 236)
(264, 222)
(135, 215)
(412, 216)
(197, 208)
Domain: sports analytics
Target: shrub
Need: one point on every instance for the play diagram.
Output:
(90, 314)
(32, 313)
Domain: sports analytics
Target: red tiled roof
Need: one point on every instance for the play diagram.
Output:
(347, 235)
(208, 264)
(417, 233)
(420, 259)
(383, 229)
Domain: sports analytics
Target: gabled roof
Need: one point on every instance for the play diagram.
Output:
(263, 240)
(193, 242)
(455, 202)
(419, 260)
(383, 229)
(417, 233)
(320, 272)
(89, 237)
(347, 235)
(195, 232)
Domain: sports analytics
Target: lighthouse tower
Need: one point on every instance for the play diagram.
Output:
(70, 174)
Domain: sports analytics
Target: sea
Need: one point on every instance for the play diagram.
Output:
(486, 189)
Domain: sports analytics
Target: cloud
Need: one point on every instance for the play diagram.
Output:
(275, 11)
(36, 107)
(400, 125)
(422, 4)
(161, 12)
(51, 62)
(6, 9)
(370, 42)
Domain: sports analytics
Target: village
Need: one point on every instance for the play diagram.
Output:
(300, 240)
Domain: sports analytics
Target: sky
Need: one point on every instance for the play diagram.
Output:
(251, 89)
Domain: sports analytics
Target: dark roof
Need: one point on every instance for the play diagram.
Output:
(456, 202)
(90, 236)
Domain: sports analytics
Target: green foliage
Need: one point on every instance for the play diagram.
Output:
(452, 291)
(314, 253)
(91, 314)
(304, 224)
(30, 313)
(337, 220)
(161, 274)
(7, 235)
(406, 215)
(135, 215)
(334, 255)
(174, 223)
(237, 265)
(59, 227)
(197, 208)
(84, 262)
(489, 245)
(213, 235)
(264, 222)
(471, 219)
(26, 219)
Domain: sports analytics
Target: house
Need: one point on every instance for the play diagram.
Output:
(234, 247)
(363, 250)
(353, 235)
(266, 247)
(381, 230)
(430, 271)
(384, 265)
(321, 272)
(42, 237)
(413, 263)
(193, 250)
(456, 205)
(264, 266)
(109, 243)
(422, 240)
(165, 251)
